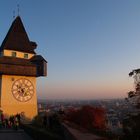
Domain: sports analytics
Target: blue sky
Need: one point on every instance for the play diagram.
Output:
(90, 45)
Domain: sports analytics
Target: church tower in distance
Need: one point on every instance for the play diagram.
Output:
(19, 68)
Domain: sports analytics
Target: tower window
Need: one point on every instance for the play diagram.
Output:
(1, 53)
(14, 54)
(25, 55)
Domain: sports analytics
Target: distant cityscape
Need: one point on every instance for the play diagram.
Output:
(116, 109)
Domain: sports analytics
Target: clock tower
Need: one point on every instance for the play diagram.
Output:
(19, 68)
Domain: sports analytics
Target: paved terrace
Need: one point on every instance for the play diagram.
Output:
(75, 134)
(10, 134)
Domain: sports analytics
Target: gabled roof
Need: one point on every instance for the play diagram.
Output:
(17, 38)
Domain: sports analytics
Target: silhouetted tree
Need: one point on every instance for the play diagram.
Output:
(134, 96)
(131, 124)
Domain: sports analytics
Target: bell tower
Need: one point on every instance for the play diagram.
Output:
(19, 68)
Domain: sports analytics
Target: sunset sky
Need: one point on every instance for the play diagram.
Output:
(90, 45)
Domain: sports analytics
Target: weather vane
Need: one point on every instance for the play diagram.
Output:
(14, 14)
(18, 9)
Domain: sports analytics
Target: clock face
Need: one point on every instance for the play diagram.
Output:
(23, 90)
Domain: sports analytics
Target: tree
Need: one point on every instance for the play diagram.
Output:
(88, 117)
(131, 124)
(134, 96)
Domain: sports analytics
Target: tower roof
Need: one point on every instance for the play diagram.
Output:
(17, 38)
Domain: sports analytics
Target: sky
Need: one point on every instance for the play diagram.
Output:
(90, 45)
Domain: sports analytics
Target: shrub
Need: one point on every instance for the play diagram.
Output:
(88, 117)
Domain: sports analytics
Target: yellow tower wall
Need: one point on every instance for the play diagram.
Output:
(9, 104)
(18, 54)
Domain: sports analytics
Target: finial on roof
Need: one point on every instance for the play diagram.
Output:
(18, 9)
(14, 14)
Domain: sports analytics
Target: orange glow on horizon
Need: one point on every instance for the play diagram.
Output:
(91, 90)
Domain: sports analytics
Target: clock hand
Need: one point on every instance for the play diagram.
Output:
(25, 93)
